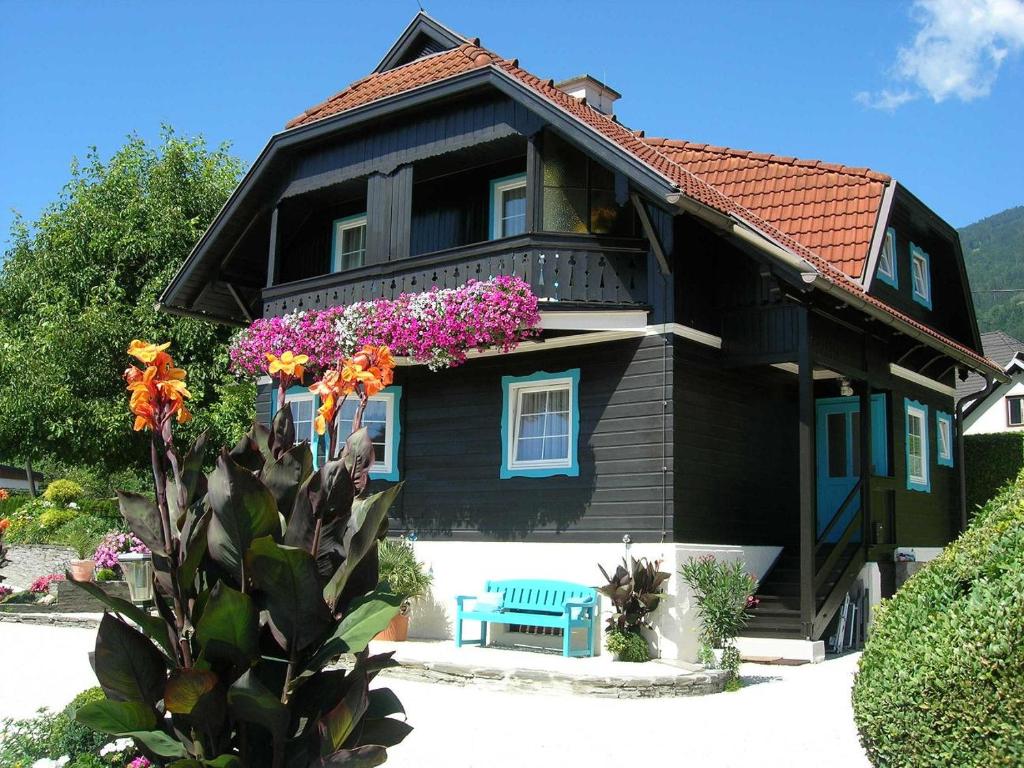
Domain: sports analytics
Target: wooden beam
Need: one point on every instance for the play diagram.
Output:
(865, 462)
(534, 183)
(272, 266)
(808, 490)
(651, 233)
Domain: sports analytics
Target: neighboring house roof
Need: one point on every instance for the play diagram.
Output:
(8, 472)
(999, 347)
(841, 230)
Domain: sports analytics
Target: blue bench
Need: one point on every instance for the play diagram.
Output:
(534, 603)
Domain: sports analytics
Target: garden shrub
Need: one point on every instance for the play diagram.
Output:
(50, 735)
(941, 681)
(63, 492)
(40, 521)
(105, 509)
(13, 503)
(991, 461)
(630, 646)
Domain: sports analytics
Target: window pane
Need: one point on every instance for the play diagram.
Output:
(375, 421)
(513, 212)
(556, 447)
(836, 428)
(534, 402)
(530, 449)
(915, 445)
(353, 247)
(565, 210)
(885, 258)
(1016, 410)
(543, 425)
(531, 425)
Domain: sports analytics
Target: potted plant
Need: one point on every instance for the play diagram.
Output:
(405, 578)
(635, 590)
(84, 544)
(723, 591)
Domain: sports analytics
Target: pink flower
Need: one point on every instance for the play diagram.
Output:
(42, 584)
(139, 762)
(115, 543)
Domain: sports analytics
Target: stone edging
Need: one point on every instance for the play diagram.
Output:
(52, 619)
(536, 681)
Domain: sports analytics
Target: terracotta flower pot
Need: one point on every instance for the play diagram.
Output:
(396, 631)
(83, 570)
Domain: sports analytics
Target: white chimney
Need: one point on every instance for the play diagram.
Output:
(597, 94)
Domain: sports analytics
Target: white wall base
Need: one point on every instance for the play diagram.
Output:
(461, 568)
(812, 651)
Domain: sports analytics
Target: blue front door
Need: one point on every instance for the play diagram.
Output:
(838, 443)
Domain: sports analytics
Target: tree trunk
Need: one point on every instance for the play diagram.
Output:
(31, 478)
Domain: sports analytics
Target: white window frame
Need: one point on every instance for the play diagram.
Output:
(918, 411)
(943, 439)
(294, 395)
(388, 468)
(1009, 413)
(514, 388)
(340, 227)
(498, 189)
(921, 289)
(887, 258)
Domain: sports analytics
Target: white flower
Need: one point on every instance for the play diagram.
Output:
(46, 762)
(120, 745)
(72, 505)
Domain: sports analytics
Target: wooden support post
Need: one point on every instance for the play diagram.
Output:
(534, 184)
(272, 267)
(808, 488)
(866, 469)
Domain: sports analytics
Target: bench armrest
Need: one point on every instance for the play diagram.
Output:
(460, 598)
(580, 602)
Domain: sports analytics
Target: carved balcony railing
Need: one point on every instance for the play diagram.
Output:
(568, 269)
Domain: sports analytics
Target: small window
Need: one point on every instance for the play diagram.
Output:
(920, 276)
(943, 439)
(304, 405)
(887, 260)
(1015, 411)
(508, 206)
(381, 420)
(348, 243)
(917, 446)
(540, 425)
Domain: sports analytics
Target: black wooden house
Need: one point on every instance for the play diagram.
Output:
(715, 322)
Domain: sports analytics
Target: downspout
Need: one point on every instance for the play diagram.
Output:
(970, 400)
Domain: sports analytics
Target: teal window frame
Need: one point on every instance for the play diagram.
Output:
(511, 386)
(880, 434)
(494, 208)
(922, 484)
(893, 279)
(346, 222)
(394, 431)
(943, 453)
(924, 298)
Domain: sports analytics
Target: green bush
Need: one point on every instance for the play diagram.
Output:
(63, 492)
(630, 646)
(52, 519)
(991, 461)
(401, 571)
(11, 505)
(52, 736)
(722, 589)
(941, 681)
(105, 509)
(42, 522)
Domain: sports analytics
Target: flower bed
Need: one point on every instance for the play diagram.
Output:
(437, 327)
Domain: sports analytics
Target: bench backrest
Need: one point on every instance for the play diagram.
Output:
(539, 595)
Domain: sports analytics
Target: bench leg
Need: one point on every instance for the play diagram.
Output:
(458, 633)
(567, 640)
(483, 634)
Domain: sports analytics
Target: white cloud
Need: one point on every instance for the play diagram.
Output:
(956, 53)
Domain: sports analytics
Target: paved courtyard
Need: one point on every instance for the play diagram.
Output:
(785, 716)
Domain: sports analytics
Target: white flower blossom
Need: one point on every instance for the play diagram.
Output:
(120, 745)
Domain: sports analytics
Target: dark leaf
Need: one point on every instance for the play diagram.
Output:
(243, 510)
(336, 725)
(360, 757)
(247, 454)
(186, 688)
(384, 702)
(357, 456)
(128, 665)
(158, 742)
(360, 536)
(383, 731)
(144, 519)
(229, 627)
(116, 717)
(282, 432)
(194, 544)
(361, 624)
(287, 578)
(252, 702)
(284, 475)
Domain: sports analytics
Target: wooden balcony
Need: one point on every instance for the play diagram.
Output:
(566, 269)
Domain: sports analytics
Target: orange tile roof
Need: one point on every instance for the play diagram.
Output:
(841, 229)
(829, 208)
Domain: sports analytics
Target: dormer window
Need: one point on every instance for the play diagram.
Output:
(348, 243)
(508, 206)
(887, 260)
(920, 276)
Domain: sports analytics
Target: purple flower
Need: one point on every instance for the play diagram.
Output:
(139, 762)
(115, 543)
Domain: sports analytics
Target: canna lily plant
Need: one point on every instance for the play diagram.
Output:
(266, 574)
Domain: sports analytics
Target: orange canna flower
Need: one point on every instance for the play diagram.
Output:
(325, 415)
(288, 363)
(5, 523)
(329, 384)
(145, 352)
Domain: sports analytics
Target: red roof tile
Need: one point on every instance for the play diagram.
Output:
(757, 189)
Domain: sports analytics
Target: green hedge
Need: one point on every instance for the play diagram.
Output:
(991, 461)
(941, 681)
(10, 505)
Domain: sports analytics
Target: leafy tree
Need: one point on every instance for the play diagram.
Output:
(994, 255)
(83, 280)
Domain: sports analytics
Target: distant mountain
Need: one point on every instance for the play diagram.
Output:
(994, 253)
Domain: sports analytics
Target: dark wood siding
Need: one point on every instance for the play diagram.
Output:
(736, 451)
(451, 450)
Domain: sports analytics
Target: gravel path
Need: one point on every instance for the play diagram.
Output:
(788, 717)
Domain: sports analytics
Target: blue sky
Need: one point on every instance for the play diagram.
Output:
(926, 92)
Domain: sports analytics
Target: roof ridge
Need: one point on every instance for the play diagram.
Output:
(770, 157)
